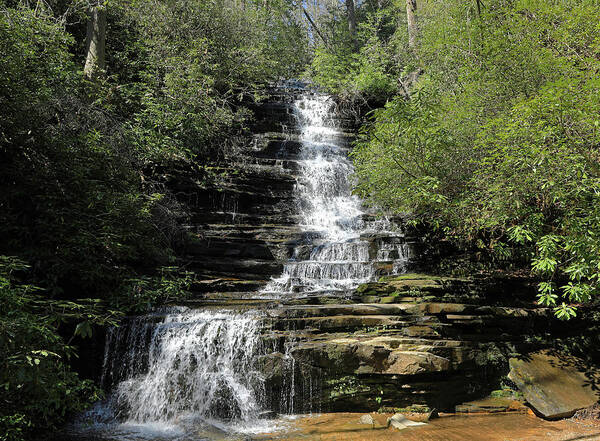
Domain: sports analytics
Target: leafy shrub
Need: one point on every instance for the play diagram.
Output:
(38, 390)
(497, 145)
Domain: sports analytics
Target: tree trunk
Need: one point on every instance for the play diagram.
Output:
(352, 22)
(96, 42)
(411, 19)
(409, 80)
(315, 27)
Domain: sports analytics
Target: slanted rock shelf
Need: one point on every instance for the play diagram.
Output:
(556, 385)
(422, 349)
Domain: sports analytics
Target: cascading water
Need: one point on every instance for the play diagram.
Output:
(185, 366)
(331, 216)
(185, 369)
(326, 203)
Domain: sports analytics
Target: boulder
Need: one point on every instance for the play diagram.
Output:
(413, 362)
(372, 356)
(400, 422)
(556, 386)
(367, 419)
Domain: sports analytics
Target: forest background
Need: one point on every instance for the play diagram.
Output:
(480, 121)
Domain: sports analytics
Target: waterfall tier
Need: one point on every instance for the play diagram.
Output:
(184, 366)
(331, 217)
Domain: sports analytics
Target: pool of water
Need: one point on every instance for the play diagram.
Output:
(346, 427)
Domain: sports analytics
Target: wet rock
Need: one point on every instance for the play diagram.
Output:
(420, 350)
(273, 367)
(400, 422)
(432, 414)
(375, 288)
(267, 414)
(366, 419)
(492, 405)
(591, 413)
(422, 417)
(421, 331)
(372, 356)
(556, 386)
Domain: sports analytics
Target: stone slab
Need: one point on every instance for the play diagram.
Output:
(492, 405)
(556, 386)
(400, 422)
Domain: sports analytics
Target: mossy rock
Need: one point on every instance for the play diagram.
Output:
(414, 408)
(345, 386)
(390, 299)
(409, 276)
(506, 393)
(374, 289)
(426, 277)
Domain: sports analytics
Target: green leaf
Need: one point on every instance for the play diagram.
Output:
(84, 329)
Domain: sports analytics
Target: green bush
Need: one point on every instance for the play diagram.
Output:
(496, 146)
(38, 390)
(369, 70)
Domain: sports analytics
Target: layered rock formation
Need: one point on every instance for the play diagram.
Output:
(244, 224)
(420, 340)
(399, 341)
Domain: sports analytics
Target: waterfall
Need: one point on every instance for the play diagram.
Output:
(324, 191)
(344, 245)
(185, 365)
(183, 368)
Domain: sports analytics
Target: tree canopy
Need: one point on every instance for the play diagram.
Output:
(495, 142)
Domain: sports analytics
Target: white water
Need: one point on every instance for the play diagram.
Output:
(326, 203)
(189, 371)
(341, 258)
(186, 368)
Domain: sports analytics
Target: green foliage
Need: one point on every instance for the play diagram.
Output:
(82, 164)
(497, 145)
(330, 70)
(369, 71)
(198, 59)
(400, 160)
(142, 293)
(71, 201)
(38, 389)
(541, 158)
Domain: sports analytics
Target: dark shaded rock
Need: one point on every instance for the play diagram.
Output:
(374, 288)
(492, 405)
(556, 386)
(413, 362)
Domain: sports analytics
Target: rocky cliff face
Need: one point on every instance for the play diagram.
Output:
(410, 340)
(244, 225)
(402, 341)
